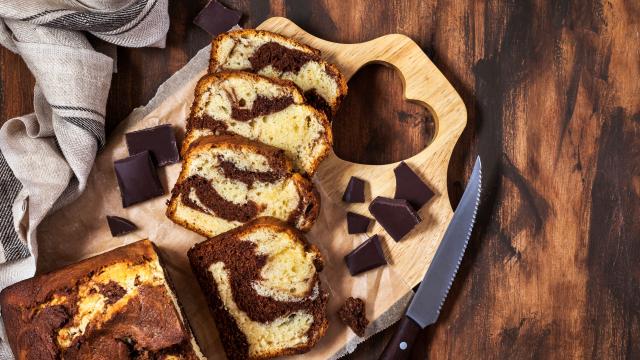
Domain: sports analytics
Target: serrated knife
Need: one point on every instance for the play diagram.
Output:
(427, 302)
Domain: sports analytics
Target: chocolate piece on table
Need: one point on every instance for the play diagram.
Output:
(354, 193)
(353, 314)
(159, 140)
(410, 187)
(356, 223)
(215, 18)
(396, 216)
(365, 257)
(137, 178)
(120, 226)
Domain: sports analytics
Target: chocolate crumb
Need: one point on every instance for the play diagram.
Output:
(353, 314)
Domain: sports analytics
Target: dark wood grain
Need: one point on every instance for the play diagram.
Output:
(553, 96)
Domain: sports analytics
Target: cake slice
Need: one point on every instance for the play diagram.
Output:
(261, 283)
(227, 181)
(117, 305)
(276, 56)
(270, 111)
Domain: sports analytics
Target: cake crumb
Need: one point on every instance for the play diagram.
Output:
(353, 314)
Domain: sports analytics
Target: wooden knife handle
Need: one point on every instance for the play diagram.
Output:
(400, 345)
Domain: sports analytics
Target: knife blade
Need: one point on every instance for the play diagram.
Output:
(426, 304)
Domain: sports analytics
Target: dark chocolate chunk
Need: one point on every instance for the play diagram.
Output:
(353, 314)
(215, 18)
(137, 178)
(396, 216)
(354, 193)
(356, 223)
(159, 140)
(120, 226)
(410, 187)
(365, 257)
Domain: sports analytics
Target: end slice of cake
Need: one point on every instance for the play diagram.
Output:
(117, 305)
(276, 56)
(261, 282)
(227, 181)
(270, 111)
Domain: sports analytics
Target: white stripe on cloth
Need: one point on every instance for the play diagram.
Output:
(46, 156)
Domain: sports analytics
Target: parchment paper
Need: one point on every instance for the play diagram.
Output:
(80, 230)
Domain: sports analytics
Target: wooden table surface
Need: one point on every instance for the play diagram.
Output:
(553, 95)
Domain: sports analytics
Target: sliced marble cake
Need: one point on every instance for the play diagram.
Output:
(261, 282)
(227, 181)
(276, 56)
(270, 111)
(118, 305)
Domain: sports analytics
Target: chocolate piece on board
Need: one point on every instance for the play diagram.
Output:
(365, 257)
(396, 216)
(354, 193)
(356, 223)
(410, 187)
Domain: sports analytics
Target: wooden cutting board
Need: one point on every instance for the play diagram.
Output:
(425, 85)
(79, 230)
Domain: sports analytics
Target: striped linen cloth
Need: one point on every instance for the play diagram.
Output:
(46, 156)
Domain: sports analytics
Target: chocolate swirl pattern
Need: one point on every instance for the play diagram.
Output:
(270, 111)
(227, 181)
(261, 282)
(275, 56)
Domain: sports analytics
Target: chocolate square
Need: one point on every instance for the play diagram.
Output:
(354, 193)
(365, 257)
(215, 18)
(396, 216)
(159, 140)
(410, 187)
(120, 226)
(137, 178)
(356, 223)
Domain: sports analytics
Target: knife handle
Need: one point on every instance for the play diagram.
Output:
(400, 345)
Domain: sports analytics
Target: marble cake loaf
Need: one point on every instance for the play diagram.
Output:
(261, 282)
(227, 181)
(270, 111)
(117, 305)
(276, 56)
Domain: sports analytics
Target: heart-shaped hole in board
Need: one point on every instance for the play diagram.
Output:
(375, 123)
